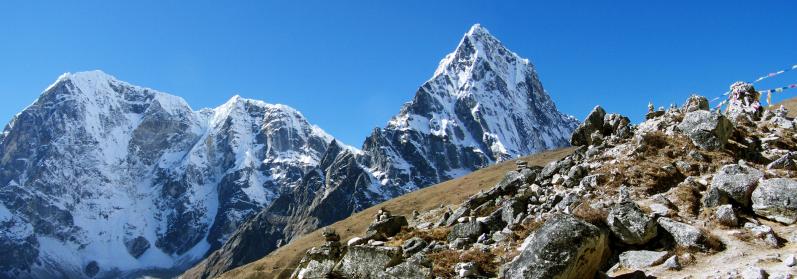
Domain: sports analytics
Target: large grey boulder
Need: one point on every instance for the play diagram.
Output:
(726, 215)
(776, 199)
(593, 123)
(630, 224)
(469, 230)
(368, 261)
(683, 234)
(642, 259)
(737, 182)
(707, 130)
(564, 247)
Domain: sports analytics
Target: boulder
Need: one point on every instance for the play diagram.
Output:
(410, 269)
(727, 216)
(91, 269)
(707, 130)
(137, 246)
(413, 245)
(563, 247)
(385, 227)
(776, 199)
(642, 259)
(510, 210)
(469, 230)
(737, 182)
(695, 103)
(630, 224)
(464, 270)
(617, 125)
(368, 261)
(683, 234)
(785, 162)
(593, 123)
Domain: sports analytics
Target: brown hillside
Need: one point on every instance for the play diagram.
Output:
(790, 104)
(280, 263)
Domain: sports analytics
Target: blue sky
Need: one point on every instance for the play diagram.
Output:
(350, 65)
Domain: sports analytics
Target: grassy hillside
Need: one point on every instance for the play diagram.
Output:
(280, 263)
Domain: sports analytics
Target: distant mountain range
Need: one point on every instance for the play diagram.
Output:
(100, 178)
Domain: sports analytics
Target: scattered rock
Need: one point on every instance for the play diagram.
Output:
(593, 123)
(672, 263)
(753, 272)
(137, 246)
(642, 259)
(737, 182)
(790, 261)
(413, 245)
(776, 199)
(695, 103)
(630, 224)
(355, 241)
(785, 162)
(465, 270)
(368, 261)
(727, 216)
(683, 234)
(707, 130)
(470, 231)
(385, 226)
(564, 247)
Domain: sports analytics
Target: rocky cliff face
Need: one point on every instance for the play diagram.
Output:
(483, 104)
(100, 178)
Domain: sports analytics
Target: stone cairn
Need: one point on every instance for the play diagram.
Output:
(332, 241)
(521, 165)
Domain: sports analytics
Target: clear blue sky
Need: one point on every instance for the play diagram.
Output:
(350, 65)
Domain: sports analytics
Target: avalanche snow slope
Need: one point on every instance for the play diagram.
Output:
(484, 104)
(101, 178)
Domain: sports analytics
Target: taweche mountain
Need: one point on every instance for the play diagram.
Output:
(483, 104)
(102, 178)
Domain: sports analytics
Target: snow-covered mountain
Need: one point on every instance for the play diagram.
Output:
(483, 104)
(100, 178)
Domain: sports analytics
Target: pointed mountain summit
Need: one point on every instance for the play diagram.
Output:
(483, 104)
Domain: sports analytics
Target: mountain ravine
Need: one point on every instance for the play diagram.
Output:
(483, 104)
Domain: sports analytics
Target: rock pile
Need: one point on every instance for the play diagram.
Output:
(632, 200)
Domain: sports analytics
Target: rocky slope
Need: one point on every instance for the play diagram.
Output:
(689, 193)
(101, 178)
(483, 104)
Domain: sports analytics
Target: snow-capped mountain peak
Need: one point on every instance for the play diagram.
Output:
(126, 178)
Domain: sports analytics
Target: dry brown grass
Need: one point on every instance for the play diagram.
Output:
(595, 216)
(280, 263)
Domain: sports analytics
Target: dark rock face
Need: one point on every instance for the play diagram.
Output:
(137, 246)
(470, 114)
(776, 199)
(91, 269)
(94, 151)
(707, 130)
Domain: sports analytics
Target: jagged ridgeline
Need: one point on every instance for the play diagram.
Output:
(103, 179)
(688, 193)
(483, 104)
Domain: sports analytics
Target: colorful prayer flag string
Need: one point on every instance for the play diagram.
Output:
(776, 90)
(775, 74)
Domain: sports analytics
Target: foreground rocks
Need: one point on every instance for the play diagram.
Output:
(652, 199)
(564, 247)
